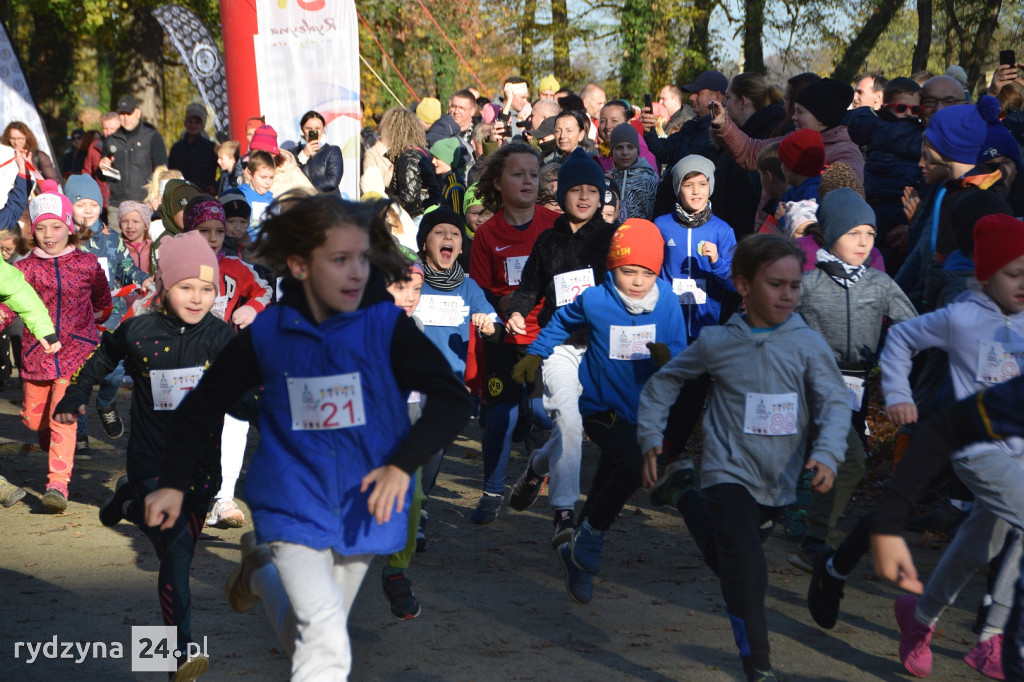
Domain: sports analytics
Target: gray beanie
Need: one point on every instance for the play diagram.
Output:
(690, 164)
(840, 211)
(624, 132)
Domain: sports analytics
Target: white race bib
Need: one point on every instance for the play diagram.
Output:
(630, 343)
(170, 386)
(690, 291)
(999, 362)
(855, 386)
(441, 311)
(569, 285)
(326, 403)
(105, 264)
(770, 414)
(220, 308)
(414, 397)
(514, 269)
(258, 209)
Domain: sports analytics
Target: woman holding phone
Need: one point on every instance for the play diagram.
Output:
(321, 162)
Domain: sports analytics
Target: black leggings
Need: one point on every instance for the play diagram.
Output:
(619, 470)
(729, 527)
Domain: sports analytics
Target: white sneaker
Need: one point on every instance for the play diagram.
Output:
(225, 514)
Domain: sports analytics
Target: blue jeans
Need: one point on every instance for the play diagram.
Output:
(104, 398)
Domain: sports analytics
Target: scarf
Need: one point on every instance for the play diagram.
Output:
(692, 220)
(635, 306)
(844, 274)
(443, 280)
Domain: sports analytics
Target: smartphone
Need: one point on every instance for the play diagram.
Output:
(648, 104)
(1007, 57)
(312, 135)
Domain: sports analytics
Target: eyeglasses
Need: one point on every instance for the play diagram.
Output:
(900, 108)
(932, 102)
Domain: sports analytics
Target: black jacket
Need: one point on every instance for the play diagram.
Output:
(136, 154)
(693, 138)
(414, 183)
(147, 342)
(738, 191)
(197, 162)
(325, 168)
(557, 251)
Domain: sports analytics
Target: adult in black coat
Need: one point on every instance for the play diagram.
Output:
(320, 162)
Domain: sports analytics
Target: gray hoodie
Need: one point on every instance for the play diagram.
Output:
(791, 358)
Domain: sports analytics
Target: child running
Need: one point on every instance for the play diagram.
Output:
(773, 378)
(635, 326)
(329, 485)
(165, 352)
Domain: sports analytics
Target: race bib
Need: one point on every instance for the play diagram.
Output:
(441, 311)
(326, 403)
(630, 343)
(514, 269)
(220, 308)
(770, 414)
(258, 209)
(855, 386)
(690, 291)
(569, 285)
(105, 264)
(414, 397)
(998, 362)
(170, 386)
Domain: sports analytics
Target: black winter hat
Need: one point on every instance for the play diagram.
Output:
(828, 99)
(578, 169)
(431, 219)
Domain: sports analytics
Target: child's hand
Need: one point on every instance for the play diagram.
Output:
(243, 317)
(660, 354)
(780, 210)
(163, 507)
(389, 485)
(483, 322)
(50, 348)
(526, 369)
(901, 414)
(710, 251)
(20, 157)
(651, 466)
(894, 563)
(68, 417)
(823, 476)
(516, 324)
(911, 201)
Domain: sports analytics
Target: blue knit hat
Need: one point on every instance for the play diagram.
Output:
(82, 186)
(957, 132)
(578, 169)
(998, 140)
(840, 211)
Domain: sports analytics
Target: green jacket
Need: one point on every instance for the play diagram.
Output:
(20, 297)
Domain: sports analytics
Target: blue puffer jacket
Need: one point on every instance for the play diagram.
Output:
(324, 169)
(303, 486)
(893, 150)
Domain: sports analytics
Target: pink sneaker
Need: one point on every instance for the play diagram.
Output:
(915, 640)
(987, 658)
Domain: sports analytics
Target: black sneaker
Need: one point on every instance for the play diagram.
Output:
(54, 500)
(486, 510)
(762, 676)
(526, 490)
(112, 424)
(678, 476)
(398, 590)
(825, 592)
(82, 450)
(565, 525)
(112, 510)
(421, 532)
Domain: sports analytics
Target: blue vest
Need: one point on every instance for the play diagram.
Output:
(303, 485)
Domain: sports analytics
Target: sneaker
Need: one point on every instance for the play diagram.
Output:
(237, 591)
(565, 526)
(421, 532)
(190, 670)
(112, 424)
(526, 490)
(805, 556)
(9, 493)
(761, 676)
(112, 510)
(987, 658)
(225, 514)
(486, 510)
(586, 546)
(82, 450)
(824, 593)
(398, 590)
(678, 476)
(55, 500)
(915, 639)
(579, 584)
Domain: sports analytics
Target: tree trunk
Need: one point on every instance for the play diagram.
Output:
(636, 24)
(696, 55)
(527, 37)
(974, 59)
(924, 36)
(859, 48)
(753, 36)
(143, 71)
(560, 36)
(50, 72)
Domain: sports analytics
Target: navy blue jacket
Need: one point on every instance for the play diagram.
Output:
(893, 150)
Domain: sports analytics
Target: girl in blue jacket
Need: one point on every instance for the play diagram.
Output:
(635, 326)
(329, 485)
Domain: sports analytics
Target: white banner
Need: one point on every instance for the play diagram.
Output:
(307, 57)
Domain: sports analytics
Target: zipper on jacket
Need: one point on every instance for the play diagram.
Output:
(689, 274)
(56, 270)
(848, 333)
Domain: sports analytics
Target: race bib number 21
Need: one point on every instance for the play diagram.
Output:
(326, 403)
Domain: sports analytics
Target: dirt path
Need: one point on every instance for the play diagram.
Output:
(494, 606)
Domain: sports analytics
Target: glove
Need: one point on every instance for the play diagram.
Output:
(659, 353)
(526, 369)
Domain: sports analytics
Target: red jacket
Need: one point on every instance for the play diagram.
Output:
(241, 286)
(76, 293)
(498, 249)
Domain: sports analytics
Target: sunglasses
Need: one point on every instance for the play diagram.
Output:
(914, 109)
